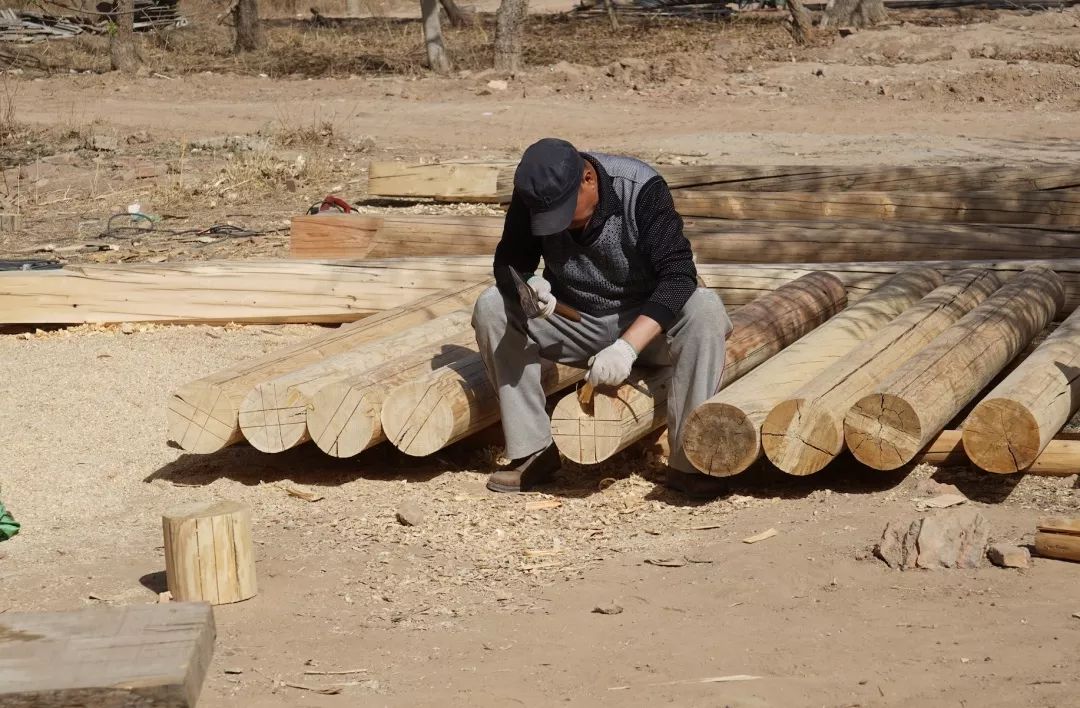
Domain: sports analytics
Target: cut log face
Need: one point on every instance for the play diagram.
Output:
(273, 416)
(1008, 429)
(805, 432)
(209, 556)
(344, 417)
(888, 427)
(625, 415)
(722, 435)
(424, 416)
(203, 416)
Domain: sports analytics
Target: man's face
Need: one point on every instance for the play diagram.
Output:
(587, 198)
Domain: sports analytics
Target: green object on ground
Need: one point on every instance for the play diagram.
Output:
(8, 526)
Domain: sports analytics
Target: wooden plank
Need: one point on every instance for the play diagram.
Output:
(618, 418)
(722, 436)
(888, 427)
(493, 181)
(225, 291)
(328, 236)
(152, 656)
(1042, 208)
(1012, 424)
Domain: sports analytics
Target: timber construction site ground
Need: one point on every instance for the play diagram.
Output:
(490, 602)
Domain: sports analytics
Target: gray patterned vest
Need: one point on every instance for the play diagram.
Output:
(609, 274)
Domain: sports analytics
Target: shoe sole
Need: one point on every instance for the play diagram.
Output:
(502, 489)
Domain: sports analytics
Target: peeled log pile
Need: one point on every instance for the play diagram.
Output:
(1011, 426)
(203, 416)
(805, 432)
(888, 427)
(1042, 208)
(273, 416)
(424, 416)
(209, 556)
(714, 240)
(635, 409)
(344, 417)
(1061, 458)
(722, 436)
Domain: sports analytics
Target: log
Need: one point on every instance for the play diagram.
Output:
(619, 418)
(151, 656)
(804, 432)
(1061, 458)
(424, 416)
(344, 417)
(887, 427)
(713, 240)
(1014, 422)
(225, 291)
(493, 181)
(722, 436)
(209, 556)
(1043, 208)
(273, 416)
(1058, 545)
(203, 416)
(1060, 524)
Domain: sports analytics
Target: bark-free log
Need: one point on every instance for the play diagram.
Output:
(203, 415)
(451, 403)
(1061, 458)
(761, 329)
(209, 556)
(344, 417)
(1058, 545)
(805, 432)
(722, 436)
(1060, 524)
(1043, 208)
(886, 428)
(714, 240)
(1010, 427)
(273, 417)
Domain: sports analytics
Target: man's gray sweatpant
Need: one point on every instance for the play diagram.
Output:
(512, 346)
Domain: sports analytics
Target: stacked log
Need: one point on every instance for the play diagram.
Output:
(591, 434)
(805, 431)
(888, 427)
(723, 435)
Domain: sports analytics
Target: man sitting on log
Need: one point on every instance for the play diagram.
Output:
(614, 251)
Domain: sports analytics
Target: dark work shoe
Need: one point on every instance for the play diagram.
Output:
(528, 472)
(695, 485)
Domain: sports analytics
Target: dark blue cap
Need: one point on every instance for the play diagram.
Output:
(547, 180)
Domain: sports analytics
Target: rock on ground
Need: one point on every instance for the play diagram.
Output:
(951, 539)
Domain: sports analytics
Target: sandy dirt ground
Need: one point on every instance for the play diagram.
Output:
(491, 601)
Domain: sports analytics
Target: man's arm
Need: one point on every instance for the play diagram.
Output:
(517, 248)
(664, 246)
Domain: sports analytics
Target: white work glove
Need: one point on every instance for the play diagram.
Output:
(611, 366)
(542, 288)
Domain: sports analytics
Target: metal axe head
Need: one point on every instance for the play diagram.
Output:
(530, 303)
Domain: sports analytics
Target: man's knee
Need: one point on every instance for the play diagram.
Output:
(490, 308)
(706, 309)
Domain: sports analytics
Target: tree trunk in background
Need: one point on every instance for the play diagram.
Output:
(438, 59)
(801, 22)
(123, 55)
(457, 16)
(854, 13)
(509, 23)
(249, 35)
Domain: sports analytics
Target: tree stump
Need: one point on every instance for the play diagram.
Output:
(208, 552)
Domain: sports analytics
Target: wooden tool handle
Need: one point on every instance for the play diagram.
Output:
(567, 312)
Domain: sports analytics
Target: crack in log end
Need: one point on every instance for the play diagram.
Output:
(883, 431)
(1002, 436)
(801, 437)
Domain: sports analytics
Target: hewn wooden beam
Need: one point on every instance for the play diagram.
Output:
(888, 426)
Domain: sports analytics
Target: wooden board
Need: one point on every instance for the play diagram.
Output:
(226, 291)
(1041, 208)
(150, 656)
(493, 181)
(713, 240)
